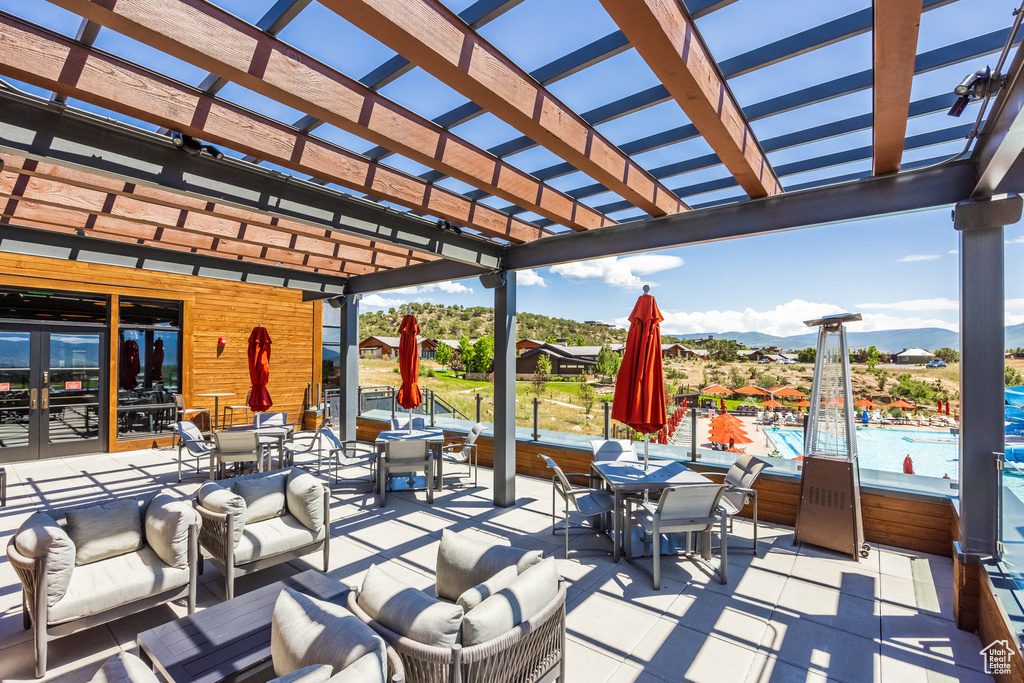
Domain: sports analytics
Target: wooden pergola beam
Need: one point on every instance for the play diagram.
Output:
(44, 58)
(119, 198)
(433, 37)
(894, 42)
(211, 38)
(668, 40)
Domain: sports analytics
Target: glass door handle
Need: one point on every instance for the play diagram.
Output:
(32, 399)
(44, 393)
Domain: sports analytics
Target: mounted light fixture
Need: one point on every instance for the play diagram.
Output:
(974, 86)
(222, 341)
(192, 147)
(442, 224)
(493, 280)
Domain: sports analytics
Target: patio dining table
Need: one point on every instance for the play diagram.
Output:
(626, 478)
(434, 436)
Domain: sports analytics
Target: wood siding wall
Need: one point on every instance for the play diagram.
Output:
(914, 522)
(211, 309)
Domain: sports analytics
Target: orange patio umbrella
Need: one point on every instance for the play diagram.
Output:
(802, 404)
(640, 386)
(259, 369)
(864, 403)
(790, 392)
(409, 365)
(772, 403)
(751, 390)
(900, 404)
(727, 418)
(735, 437)
(716, 389)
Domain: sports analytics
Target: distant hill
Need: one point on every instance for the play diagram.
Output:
(891, 341)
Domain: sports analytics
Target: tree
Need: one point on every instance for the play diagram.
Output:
(947, 354)
(736, 378)
(722, 349)
(871, 357)
(444, 354)
(608, 362)
(483, 354)
(466, 352)
(540, 377)
(807, 355)
(1013, 377)
(587, 394)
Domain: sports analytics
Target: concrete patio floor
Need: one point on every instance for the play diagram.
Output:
(790, 614)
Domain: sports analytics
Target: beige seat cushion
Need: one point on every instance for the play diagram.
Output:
(263, 494)
(527, 595)
(41, 536)
(105, 530)
(480, 592)
(167, 523)
(314, 673)
(463, 562)
(217, 498)
(274, 536)
(305, 631)
(124, 668)
(407, 611)
(305, 497)
(116, 581)
(364, 670)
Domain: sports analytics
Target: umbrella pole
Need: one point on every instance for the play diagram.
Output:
(645, 452)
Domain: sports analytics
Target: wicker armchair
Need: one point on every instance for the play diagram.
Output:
(532, 652)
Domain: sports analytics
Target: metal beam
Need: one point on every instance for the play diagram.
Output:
(411, 276)
(1002, 139)
(505, 392)
(349, 365)
(15, 239)
(32, 127)
(911, 191)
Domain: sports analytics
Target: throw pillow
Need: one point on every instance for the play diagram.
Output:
(263, 494)
(105, 530)
(366, 669)
(216, 498)
(305, 631)
(314, 673)
(167, 523)
(407, 611)
(527, 595)
(124, 668)
(477, 594)
(305, 498)
(41, 536)
(463, 562)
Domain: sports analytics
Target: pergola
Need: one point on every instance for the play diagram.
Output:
(286, 202)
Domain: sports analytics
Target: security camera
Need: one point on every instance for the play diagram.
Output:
(974, 86)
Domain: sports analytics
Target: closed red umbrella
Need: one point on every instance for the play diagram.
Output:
(259, 369)
(947, 407)
(721, 402)
(409, 364)
(640, 387)
(156, 365)
(908, 465)
(129, 366)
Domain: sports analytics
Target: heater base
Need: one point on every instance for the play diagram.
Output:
(829, 512)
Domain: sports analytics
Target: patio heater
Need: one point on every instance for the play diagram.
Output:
(829, 510)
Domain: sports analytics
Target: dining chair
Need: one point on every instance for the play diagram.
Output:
(198, 416)
(739, 487)
(406, 456)
(465, 451)
(683, 509)
(232, 409)
(591, 502)
(191, 438)
(270, 420)
(418, 422)
(306, 443)
(344, 455)
(235, 447)
(613, 449)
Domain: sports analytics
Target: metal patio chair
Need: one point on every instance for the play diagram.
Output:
(191, 438)
(591, 502)
(739, 487)
(465, 451)
(405, 456)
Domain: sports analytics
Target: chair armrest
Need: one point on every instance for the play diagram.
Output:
(216, 531)
(741, 489)
(581, 491)
(32, 572)
(714, 474)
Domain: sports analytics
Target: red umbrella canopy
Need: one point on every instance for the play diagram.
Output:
(716, 389)
(791, 392)
(900, 404)
(639, 388)
(735, 437)
(259, 369)
(156, 364)
(864, 403)
(409, 363)
(802, 404)
(129, 366)
(751, 390)
(772, 403)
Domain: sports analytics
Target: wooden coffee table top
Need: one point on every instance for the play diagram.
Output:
(222, 641)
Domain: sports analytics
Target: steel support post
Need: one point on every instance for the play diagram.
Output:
(349, 361)
(607, 405)
(980, 224)
(505, 392)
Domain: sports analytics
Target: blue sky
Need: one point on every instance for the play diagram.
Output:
(898, 271)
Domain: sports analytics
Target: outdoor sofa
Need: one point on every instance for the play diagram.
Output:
(499, 616)
(259, 520)
(87, 566)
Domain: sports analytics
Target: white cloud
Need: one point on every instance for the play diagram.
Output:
(619, 272)
(953, 251)
(941, 304)
(1019, 239)
(528, 278)
(883, 321)
(919, 257)
(378, 301)
(449, 287)
(783, 320)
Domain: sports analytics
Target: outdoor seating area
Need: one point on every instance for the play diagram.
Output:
(786, 613)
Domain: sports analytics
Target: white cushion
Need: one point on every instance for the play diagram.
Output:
(409, 612)
(263, 494)
(274, 536)
(305, 497)
(102, 585)
(124, 668)
(167, 523)
(527, 595)
(216, 498)
(477, 594)
(314, 673)
(105, 530)
(364, 670)
(463, 562)
(41, 536)
(305, 631)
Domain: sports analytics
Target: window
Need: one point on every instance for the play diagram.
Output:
(331, 374)
(148, 366)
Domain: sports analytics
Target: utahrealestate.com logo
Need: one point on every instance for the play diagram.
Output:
(997, 657)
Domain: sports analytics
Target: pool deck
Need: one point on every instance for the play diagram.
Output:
(792, 613)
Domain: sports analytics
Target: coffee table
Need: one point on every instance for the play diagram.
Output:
(231, 640)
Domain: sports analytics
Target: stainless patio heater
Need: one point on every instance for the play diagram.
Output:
(829, 511)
